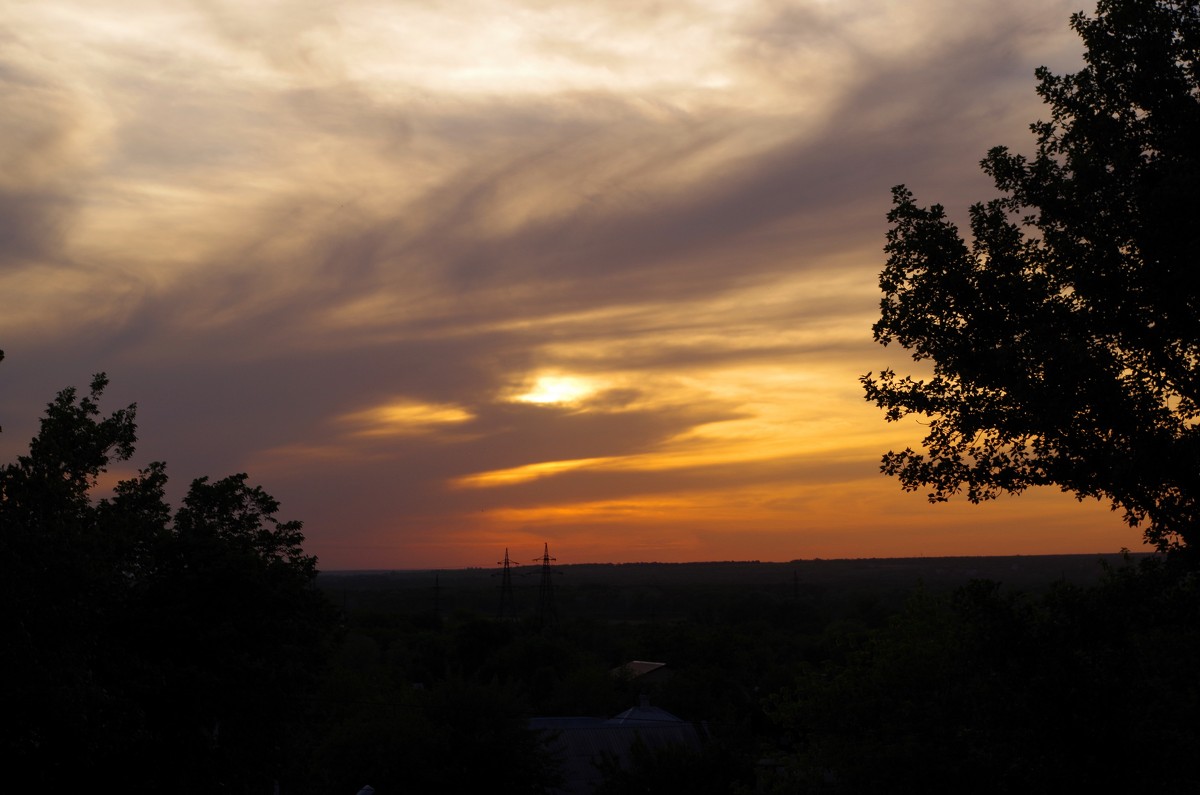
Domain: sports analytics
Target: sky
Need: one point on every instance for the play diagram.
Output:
(450, 278)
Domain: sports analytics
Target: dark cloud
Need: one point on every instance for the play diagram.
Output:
(31, 226)
(42, 161)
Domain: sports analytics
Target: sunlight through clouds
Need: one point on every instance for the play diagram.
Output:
(403, 419)
(521, 474)
(557, 389)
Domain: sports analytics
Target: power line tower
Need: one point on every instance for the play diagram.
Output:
(508, 606)
(547, 617)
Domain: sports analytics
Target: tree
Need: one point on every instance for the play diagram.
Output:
(988, 690)
(60, 576)
(158, 649)
(1065, 341)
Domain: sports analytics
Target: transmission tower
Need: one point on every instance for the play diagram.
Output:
(546, 614)
(508, 607)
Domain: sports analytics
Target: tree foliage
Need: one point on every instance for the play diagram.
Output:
(1065, 340)
(144, 646)
(986, 690)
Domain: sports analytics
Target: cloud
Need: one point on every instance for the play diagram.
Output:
(333, 245)
(44, 153)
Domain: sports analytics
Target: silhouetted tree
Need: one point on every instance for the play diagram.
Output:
(144, 649)
(1065, 341)
(60, 575)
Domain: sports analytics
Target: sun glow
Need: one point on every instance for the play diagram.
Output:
(556, 389)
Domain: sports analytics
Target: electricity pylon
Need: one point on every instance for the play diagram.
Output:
(546, 614)
(508, 607)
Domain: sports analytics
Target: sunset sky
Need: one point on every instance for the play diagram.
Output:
(451, 277)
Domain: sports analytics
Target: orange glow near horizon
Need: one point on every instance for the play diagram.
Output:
(746, 527)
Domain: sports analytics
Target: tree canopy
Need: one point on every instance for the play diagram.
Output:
(154, 648)
(1065, 339)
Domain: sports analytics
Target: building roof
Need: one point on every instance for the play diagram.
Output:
(636, 668)
(578, 743)
(645, 715)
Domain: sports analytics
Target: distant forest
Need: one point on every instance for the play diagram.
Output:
(995, 674)
(643, 591)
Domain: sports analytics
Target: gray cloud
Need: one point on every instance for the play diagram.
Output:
(42, 161)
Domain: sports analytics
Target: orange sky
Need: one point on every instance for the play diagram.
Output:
(450, 278)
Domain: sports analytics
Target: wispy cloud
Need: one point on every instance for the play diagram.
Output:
(438, 272)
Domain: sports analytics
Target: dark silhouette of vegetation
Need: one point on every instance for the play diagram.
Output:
(1064, 341)
(1065, 350)
(855, 679)
(672, 768)
(146, 648)
(984, 690)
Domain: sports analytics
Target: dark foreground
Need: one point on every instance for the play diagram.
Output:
(1019, 674)
(919, 675)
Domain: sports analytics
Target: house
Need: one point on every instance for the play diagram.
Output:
(581, 744)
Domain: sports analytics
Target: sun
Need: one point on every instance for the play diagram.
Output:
(553, 389)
